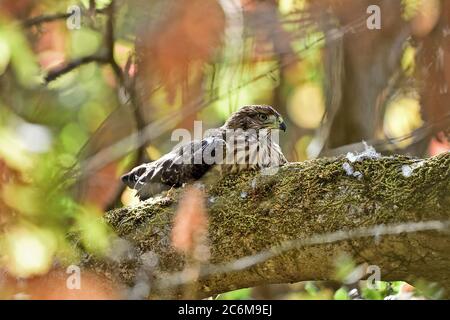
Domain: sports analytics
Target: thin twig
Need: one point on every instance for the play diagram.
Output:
(107, 57)
(130, 90)
(36, 21)
(71, 65)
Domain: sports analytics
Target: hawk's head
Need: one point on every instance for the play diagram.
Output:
(256, 117)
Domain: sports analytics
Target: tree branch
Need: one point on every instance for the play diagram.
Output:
(35, 21)
(292, 226)
(71, 65)
(38, 20)
(105, 57)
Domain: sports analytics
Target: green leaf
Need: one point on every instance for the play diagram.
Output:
(5, 53)
(241, 294)
(95, 234)
(341, 294)
(22, 58)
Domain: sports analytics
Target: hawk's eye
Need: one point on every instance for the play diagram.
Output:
(262, 116)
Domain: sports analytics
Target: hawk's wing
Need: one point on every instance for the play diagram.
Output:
(183, 164)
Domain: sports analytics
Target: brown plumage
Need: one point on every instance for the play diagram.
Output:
(244, 142)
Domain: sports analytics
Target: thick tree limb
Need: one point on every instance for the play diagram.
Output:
(250, 213)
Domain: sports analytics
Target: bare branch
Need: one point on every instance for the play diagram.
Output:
(71, 65)
(102, 58)
(36, 21)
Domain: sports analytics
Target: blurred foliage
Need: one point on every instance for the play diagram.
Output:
(42, 130)
(349, 287)
(241, 294)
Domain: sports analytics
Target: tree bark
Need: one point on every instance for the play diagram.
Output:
(305, 203)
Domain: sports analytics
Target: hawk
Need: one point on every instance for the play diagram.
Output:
(245, 142)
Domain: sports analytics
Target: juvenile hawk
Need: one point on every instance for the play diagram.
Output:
(244, 142)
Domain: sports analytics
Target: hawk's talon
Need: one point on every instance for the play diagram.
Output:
(170, 192)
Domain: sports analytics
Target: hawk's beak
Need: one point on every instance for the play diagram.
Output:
(282, 126)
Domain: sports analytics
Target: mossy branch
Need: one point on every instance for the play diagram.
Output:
(250, 213)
